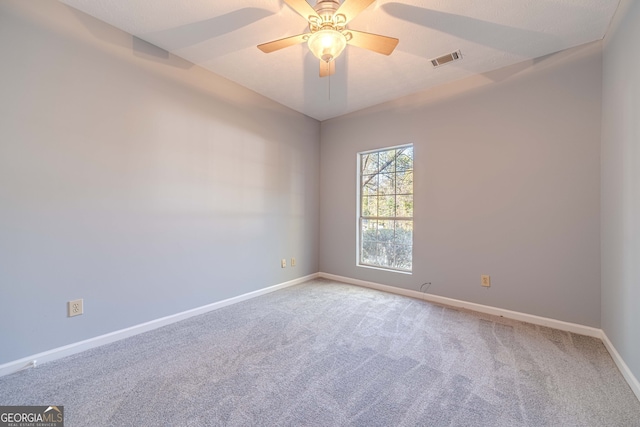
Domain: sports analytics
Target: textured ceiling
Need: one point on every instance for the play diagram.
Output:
(221, 35)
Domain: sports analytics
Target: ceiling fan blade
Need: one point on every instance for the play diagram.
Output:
(327, 68)
(282, 43)
(303, 8)
(377, 43)
(350, 8)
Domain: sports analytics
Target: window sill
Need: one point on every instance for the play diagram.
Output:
(390, 270)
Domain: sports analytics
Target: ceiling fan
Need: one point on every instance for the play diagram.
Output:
(328, 35)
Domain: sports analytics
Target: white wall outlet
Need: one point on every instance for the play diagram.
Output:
(485, 280)
(293, 262)
(75, 308)
(283, 263)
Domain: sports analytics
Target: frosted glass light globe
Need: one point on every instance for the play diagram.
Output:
(327, 45)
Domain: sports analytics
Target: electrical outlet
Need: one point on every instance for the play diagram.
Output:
(485, 280)
(293, 262)
(283, 263)
(75, 308)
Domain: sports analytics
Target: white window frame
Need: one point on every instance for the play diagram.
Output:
(360, 218)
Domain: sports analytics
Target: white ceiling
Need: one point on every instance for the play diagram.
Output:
(222, 35)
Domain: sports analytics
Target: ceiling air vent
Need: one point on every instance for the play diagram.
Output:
(445, 59)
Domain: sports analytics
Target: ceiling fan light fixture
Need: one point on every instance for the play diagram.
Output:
(327, 44)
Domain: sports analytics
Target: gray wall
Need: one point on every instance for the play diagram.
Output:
(148, 186)
(507, 183)
(137, 181)
(621, 186)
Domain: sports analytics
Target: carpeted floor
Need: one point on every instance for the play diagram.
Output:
(328, 354)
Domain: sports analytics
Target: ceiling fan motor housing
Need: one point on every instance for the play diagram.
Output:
(327, 18)
(326, 8)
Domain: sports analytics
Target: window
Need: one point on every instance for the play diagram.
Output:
(385, 214)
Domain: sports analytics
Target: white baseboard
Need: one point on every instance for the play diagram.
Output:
(523, 317)
(60, 352)
(67, 350)
(622, 366)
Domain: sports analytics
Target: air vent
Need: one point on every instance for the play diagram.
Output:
(445, 59)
